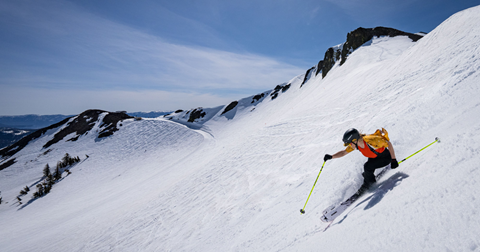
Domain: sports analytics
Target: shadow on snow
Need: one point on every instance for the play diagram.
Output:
(379, 192)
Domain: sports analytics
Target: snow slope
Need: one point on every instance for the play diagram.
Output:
(236, 182)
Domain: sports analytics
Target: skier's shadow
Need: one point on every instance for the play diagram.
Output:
(380, 191)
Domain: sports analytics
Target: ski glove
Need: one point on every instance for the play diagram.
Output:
(327, 157)
(394, 164)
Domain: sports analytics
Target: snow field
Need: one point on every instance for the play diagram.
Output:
(237, 182)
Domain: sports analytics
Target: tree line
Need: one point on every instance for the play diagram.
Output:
(49, 178)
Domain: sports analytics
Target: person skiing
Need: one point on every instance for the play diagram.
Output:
(376, 147)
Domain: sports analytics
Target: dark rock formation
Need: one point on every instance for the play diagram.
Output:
(7, 164)
(319, 67)
(358, 37)
(257, 97)
(331, 56)
(81, 125)
(196, 114)
(230, 106)
(355, 39)
(286, 87)
(279, 88)
(111, 121)
(307, 76)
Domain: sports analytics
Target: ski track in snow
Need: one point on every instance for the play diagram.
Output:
(237, 182)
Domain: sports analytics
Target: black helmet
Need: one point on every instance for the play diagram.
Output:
(350, 135)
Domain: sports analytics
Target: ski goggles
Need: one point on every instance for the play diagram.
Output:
(348, 143)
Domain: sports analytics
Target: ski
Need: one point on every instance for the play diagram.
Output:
(332, 212)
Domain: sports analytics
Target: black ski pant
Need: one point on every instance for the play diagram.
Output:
(383, 159)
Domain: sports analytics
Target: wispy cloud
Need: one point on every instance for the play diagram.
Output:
(60, 101)
(63, 47)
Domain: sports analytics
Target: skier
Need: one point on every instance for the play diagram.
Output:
(376, 147)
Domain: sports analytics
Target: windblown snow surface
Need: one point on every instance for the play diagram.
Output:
(237, 181)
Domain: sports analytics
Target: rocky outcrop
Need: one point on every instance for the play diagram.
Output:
(307, 76)
(230, 106)
(355, 39)
(358, 37)
(257, 97)
(279, 88)
(196, 114)
(331, 57)
(84, 122)
(80, 125)
(7, 164)
(319, 67)
(110, 121)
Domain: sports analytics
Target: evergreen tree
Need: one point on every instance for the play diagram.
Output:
(46, 171)
(57, 175)
(47, 188)
(66, 160)
(49, 180)
(40, 192)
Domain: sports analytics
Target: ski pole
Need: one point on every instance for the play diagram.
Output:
(436, 140)
(303, 210)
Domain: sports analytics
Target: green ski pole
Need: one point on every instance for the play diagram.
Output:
(436, 140)
(303, 210)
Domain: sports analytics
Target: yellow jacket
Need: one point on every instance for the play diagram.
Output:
(377, 140)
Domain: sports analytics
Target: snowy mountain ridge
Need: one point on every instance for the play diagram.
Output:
(234, 179)
(340, 52)
(195, 118)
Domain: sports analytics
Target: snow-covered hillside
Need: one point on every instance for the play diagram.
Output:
(235, 180)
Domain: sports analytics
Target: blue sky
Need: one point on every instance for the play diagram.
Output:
(63, 57)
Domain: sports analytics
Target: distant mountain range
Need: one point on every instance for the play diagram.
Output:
(42, 121)
(9, 136)
(14, 128)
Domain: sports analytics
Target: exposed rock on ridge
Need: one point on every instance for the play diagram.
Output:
(279, 88)
(80, 125)
(84, 122)
(196, 114)
(111, 120)
(355, 39)
(230, 106)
